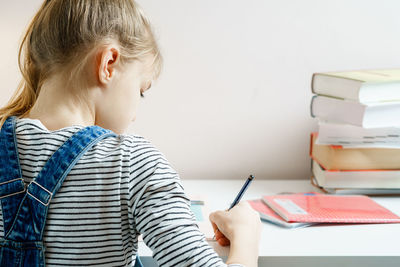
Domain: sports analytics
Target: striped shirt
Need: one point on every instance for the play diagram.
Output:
(120, 188)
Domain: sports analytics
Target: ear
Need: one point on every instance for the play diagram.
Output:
(108, 60)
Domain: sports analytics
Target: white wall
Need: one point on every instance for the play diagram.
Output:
(234, 95)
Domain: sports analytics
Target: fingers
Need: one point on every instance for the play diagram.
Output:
(215, 227)
(223, 242)
(240, 222)
(219, 236)
(226, 223)
(221, 239)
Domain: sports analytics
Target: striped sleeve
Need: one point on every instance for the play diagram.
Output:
(162, 214)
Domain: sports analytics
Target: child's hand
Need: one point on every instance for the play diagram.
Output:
(241, 228)
(238, 223)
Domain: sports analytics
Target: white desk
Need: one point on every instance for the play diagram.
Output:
(328, 245)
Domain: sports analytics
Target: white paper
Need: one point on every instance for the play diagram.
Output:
(350, 136)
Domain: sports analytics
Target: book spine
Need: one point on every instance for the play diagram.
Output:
(311, 106)
(312, 83)
(311, 143)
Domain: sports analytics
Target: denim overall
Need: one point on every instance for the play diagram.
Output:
(25, 208)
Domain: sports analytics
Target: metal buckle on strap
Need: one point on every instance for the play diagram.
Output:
(41, 187)
(14, 193)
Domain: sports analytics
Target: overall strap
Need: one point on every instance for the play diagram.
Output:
(31, 216)
(11, 182)
(53, 174)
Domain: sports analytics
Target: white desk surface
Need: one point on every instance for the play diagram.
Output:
(315, 241)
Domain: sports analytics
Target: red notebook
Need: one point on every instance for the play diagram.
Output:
(267, 214)
(329, 209)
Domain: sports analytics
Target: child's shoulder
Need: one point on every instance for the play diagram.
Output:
(140, 156)
(134, 146)
(132, 139)
(131, 142)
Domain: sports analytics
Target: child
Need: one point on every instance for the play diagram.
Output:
(85, 191)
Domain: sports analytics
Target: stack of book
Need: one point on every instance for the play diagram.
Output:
(357, 146)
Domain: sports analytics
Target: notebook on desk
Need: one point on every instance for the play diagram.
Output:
(268, 215)
(329, 209)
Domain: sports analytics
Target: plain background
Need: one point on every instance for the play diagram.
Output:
(234, 95)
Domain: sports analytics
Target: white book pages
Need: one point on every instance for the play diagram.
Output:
(356, 191)
(371, 179)
(372, 115)
(350, 136)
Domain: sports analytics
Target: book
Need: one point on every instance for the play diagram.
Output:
(372, 115)
(376, 179)
(333, 157)
(329, 209)
(357, 191)
(350, 136)
(363, 191)
(361, 86)
(267, 214)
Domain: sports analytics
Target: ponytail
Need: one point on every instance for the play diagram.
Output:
(27, 91)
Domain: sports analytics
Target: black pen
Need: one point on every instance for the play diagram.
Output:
(241, 192)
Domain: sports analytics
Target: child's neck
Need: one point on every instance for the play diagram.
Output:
(59, 106)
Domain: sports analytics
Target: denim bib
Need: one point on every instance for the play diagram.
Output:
(25, 207)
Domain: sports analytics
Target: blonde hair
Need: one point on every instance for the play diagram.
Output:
(62, 35)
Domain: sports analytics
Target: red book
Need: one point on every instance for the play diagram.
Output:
(267, 214)
(329, 209)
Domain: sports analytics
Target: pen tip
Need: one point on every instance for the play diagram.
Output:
(251, 177)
